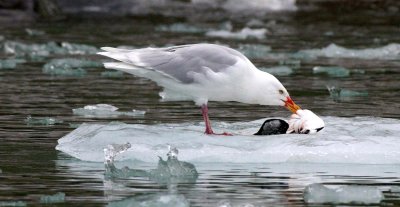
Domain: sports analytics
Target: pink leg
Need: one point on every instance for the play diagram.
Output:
(204, 111)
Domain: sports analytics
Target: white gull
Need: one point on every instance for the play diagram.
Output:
(202, 73)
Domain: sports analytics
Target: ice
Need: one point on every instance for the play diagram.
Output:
(79, 49)
(254, 50)
(69, 67)
(112, 74)
(10, 63)
(333, 71)
(170, 171)
(46, 49)
(180, 28)
(390, 51)
(339, 94)
(273, 5)
(34, 32)
(278, 70)
(318, 193)
(245, 33)
(295, 64)
(164, 200)
(113, 150)
(56, 198)
(13, 203)
(363, 140)
(46, 121)
(395, 189)
(104, 111)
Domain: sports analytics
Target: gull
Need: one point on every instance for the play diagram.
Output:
(201, 73)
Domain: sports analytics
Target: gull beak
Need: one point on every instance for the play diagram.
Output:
(289, 104)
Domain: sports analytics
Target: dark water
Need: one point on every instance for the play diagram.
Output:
(32, 167)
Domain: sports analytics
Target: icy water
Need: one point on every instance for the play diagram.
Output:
(31, 166)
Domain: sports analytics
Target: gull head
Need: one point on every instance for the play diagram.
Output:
(277, 93)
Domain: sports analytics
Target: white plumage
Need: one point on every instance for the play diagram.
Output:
(201, 73)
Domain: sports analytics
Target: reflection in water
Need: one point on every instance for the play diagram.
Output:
(170, 172)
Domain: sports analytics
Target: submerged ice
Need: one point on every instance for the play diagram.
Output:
(365, 140)
(169, 171)
(318, 193)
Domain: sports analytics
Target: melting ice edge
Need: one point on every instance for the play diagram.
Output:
(362, 140)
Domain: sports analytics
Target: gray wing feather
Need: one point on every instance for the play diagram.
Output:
(180, 62)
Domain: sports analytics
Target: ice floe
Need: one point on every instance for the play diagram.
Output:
(333, 71)
(104, 110)
(46, 121)
(244, 33)
(339, 94)
(254, 50)
(278, 70)
(318, 193)
(390, 51)
(69, 67)
(180, 28)
(364, 140)
(46, 49)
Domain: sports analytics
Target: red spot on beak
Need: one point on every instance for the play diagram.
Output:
(289, 104)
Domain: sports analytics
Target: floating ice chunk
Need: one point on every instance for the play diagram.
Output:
(295, 64)
(245, 33)
(363, 140)
(255, 23)
(10, 63)
(56, 198)
(180, 28)
(69, 67)
(102, 107)
(254, 50)
(167, 200)
(339, 94)
(42, 121)
(79, 49)
(333, 71)
(263, 5)
(46, 49)
(278, 70)
(390, 51)
(318, 193)
(13, 203)
(112, 74)
(104, 110)
(34, 32)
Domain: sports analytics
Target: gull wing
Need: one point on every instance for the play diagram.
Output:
(178, 62)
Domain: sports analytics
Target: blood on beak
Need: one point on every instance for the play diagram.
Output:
(289, 104)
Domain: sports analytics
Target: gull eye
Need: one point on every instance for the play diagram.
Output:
(281, 92)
